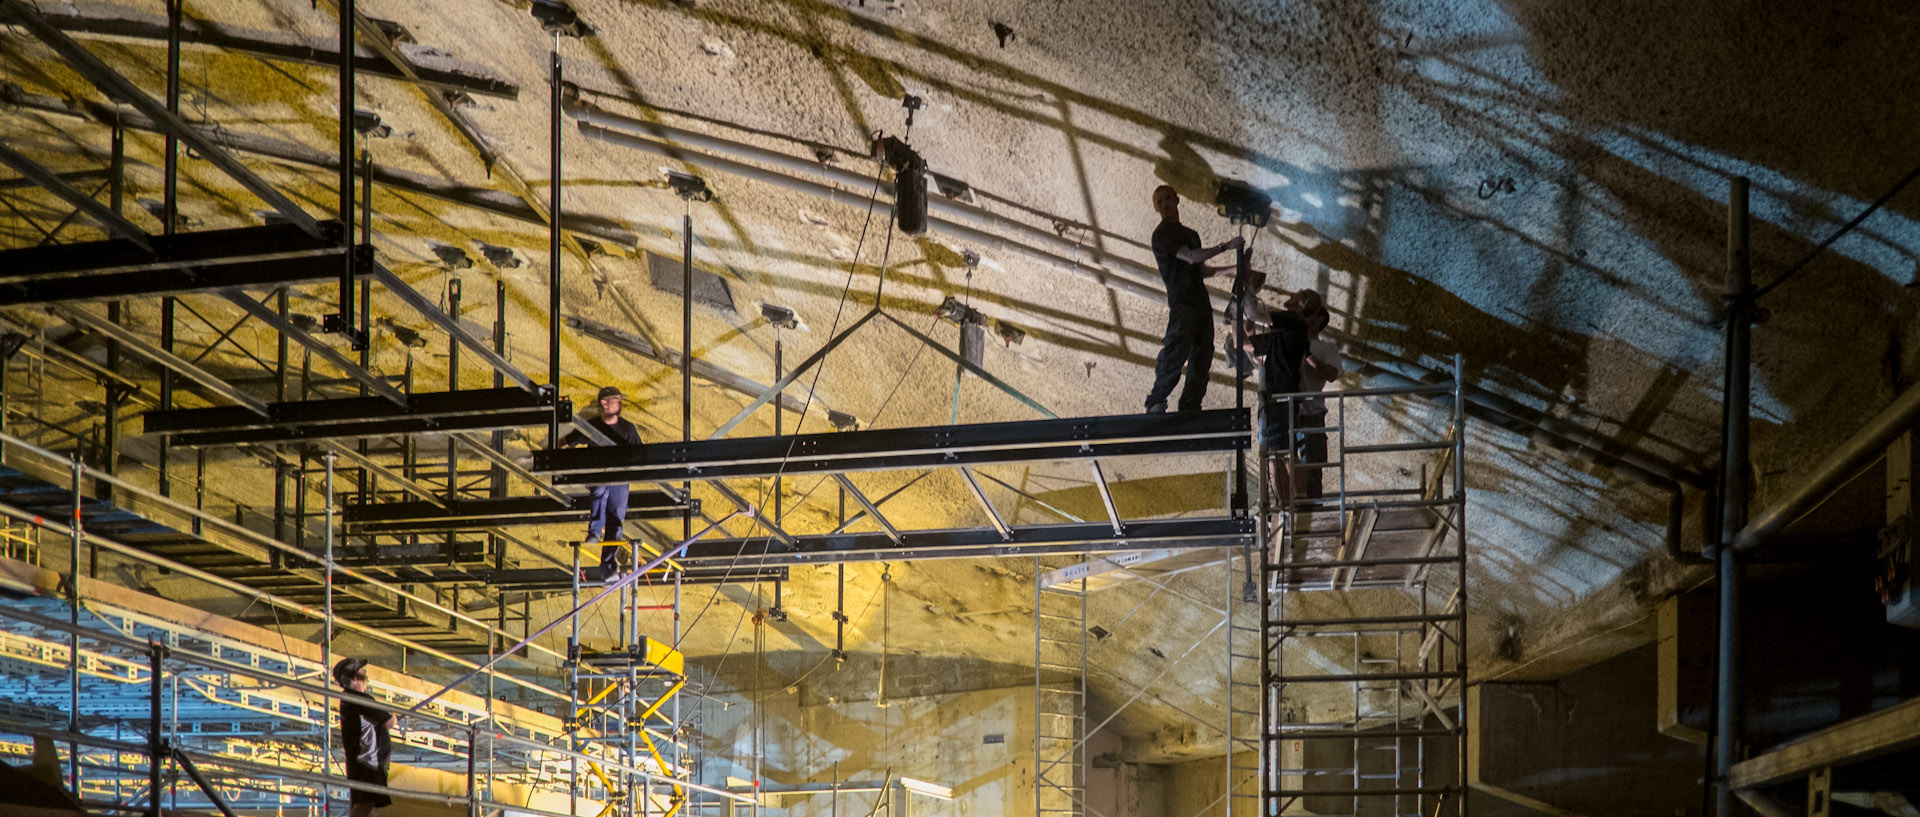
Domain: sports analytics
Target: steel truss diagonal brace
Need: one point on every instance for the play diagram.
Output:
(120, 88)
(112, 221)
(511, 466)
(970, 367)
(872, 509)
(980, 496)
(139, 346)
(331, 355)
(451, 325)
(781, 385)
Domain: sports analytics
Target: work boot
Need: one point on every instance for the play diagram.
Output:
(1156, 408)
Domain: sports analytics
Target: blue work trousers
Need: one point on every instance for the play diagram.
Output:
(604, 515)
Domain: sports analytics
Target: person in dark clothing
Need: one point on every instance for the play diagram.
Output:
(364, 737)
(1188, 343)
(608, 502)
(1281, 350)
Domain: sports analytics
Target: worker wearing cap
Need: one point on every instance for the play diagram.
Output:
(609, 502)
(365, 738)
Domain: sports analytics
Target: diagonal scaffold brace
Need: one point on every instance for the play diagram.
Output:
(609, 590)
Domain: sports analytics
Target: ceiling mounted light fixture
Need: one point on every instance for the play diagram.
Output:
(560, 18)
(689, 186)
(779, 316)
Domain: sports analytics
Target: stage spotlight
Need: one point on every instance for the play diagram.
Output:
(1242, 204)
(909, 184)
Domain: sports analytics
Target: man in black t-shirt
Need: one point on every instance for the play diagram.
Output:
(609, 502)
(1282, 350)
(1188, 343)
(364, 737)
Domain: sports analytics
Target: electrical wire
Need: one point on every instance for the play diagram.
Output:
(1844, 229)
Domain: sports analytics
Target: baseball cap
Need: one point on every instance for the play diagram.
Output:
(610, 391)
(347, 668)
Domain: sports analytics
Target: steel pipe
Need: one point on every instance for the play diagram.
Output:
(1834, 470)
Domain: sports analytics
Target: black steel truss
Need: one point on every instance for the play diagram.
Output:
(1076, 438)
(390, 518)
(466, 410)
(548, 578)
(1021, 540)
(185, 262)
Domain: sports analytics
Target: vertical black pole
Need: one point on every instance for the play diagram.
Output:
(170, 218)
(346, 164)
(554, 317)
(1730, 571)
(156, 744)
(686, 356)
(453, 453)
(116, 193)
(779, 415)
(498, 485)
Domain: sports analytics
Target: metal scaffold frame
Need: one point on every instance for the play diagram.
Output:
(242, 716)
(1400, 657)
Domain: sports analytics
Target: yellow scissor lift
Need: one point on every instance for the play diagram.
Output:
(630, 705)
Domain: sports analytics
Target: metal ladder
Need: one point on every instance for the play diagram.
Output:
(1352, 602)
(1060, 694)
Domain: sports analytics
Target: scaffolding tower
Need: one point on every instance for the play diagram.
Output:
(1059, 692)
(1363, 609)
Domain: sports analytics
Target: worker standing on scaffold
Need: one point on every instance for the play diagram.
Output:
(1188, 343)
(609, 502)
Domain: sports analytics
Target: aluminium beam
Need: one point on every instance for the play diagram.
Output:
(275, 46)
(112, 222)
(1078, 438)
(139, 346)
(1025, 540)
(339, 418)
(478, 514)
(117, 87)
(452, 326)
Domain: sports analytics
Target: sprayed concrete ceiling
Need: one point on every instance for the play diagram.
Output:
(1535, 186)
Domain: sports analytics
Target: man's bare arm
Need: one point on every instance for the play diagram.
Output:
(1199, 255)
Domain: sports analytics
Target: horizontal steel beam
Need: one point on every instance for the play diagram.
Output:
(1028, 540)
(467, 410)
(172, 281)
(274, 46)
(902, 448)
(479, 514)
(537, 579)
(203, 248)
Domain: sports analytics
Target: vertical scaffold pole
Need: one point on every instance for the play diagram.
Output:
(1730, 570)
(554, 317)
(156, 743)
(326, 645)
(73, 631)
(573, 671)
(346, 324)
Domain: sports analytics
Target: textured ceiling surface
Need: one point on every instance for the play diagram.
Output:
(1535, 186)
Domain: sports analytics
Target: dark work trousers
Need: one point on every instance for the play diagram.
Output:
(1312, 449)
(1188, 344)
(604, 515)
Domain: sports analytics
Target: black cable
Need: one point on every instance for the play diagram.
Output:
(1871, 209)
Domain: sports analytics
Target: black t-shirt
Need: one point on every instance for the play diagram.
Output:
(622, 432)
(363, 733)
(1282, 349)
(1185, 281)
